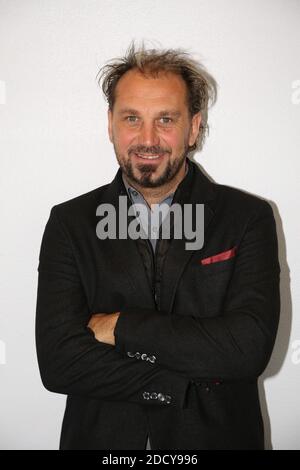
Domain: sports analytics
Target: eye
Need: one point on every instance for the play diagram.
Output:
(166, 120)
(131, 119)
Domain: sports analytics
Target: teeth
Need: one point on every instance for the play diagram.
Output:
(148, 157)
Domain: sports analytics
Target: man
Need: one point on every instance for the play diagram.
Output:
(147, 338)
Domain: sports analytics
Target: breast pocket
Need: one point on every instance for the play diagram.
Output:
(213, 282)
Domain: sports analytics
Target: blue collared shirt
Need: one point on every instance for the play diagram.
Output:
(151, 224)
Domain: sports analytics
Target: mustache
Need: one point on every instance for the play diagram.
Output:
(153, 150)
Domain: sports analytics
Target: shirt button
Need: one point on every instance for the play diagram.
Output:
(134, 193)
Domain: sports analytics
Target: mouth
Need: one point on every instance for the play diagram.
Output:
(148, 157)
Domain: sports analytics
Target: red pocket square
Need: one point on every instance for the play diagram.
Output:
(219, 257)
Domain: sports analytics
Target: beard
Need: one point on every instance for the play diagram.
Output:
(146, 178)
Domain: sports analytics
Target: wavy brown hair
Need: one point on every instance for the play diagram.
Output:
(201, 86)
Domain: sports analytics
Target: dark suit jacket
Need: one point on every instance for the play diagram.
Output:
(187, 373)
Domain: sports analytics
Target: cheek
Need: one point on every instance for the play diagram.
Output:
(174, 139)
(123, 138)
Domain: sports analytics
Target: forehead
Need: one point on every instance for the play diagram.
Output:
(166, 88)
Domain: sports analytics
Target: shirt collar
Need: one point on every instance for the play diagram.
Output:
(130, 189)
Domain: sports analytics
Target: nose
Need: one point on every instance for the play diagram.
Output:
(148, 135)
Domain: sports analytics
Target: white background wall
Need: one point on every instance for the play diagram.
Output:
(54, 146)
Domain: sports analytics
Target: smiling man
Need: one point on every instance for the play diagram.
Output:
(154, 343)
(151, 129)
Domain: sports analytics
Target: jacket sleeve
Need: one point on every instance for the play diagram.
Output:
(71, 360)
(234, 345)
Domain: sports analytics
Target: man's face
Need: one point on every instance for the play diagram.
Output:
(150, 127)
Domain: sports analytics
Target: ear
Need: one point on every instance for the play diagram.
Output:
(110, 133)
(195, 128)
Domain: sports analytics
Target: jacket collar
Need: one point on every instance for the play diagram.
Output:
(195, 186)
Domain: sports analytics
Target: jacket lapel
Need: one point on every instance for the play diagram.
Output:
(195, 188)
(123, 253)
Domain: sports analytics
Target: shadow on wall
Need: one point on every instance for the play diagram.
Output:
(284, 329)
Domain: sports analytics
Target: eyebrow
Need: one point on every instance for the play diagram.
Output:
(165, 112)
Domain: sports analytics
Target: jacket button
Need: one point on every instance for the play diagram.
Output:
(144, 357)
(161, 397)
(146, 395)
(130, 354)
(151, 359)
(153, 396)
(168, 399)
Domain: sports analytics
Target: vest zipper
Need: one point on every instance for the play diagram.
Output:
(153, 266)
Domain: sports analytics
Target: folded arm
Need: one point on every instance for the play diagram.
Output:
(70, 358)
(237, 343)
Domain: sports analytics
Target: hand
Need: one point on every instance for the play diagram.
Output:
(103, 325)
